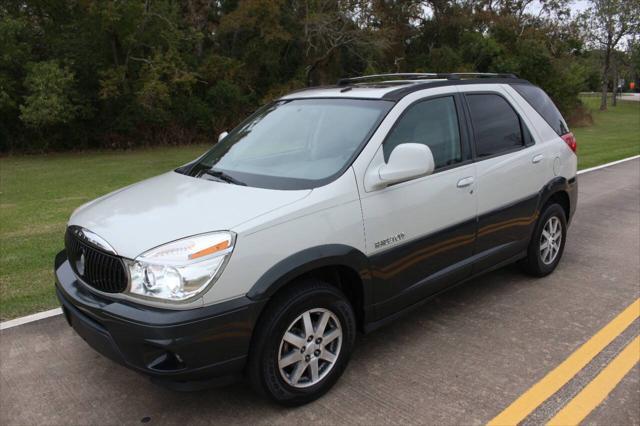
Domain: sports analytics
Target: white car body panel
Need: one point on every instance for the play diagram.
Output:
(555, 147)
(173, 206)
(329, 215)
(418, 207)
(342, 92)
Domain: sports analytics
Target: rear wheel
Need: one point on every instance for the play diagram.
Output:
(547, 243)
(303, 343)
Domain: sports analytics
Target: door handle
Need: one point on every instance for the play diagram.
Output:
(465, 181)
(538, 158)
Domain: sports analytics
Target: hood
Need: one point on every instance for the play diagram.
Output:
(173, 206)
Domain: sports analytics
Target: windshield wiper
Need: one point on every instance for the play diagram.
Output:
(223, 176)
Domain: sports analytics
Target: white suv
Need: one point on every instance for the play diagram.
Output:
(328, 211)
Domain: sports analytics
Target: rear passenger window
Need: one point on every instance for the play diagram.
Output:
(434, 123)
(495, 124)
(544, 106)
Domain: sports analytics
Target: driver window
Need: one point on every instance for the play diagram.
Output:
(433, 123)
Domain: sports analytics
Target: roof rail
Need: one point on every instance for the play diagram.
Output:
(424, 75)
(404, 76)
(460, 75)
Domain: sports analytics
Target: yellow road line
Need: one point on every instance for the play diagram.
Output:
(559, 376)
(598, 389)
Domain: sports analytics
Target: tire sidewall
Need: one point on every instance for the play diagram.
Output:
(272, 381)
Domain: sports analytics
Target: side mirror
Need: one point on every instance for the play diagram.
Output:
(407, 161)
(222, 136)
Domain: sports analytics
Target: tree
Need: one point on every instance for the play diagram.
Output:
(330, 26)
(48, 102)
(634, 60)
(609, 22)
(95, 74)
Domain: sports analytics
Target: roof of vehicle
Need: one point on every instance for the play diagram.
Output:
(396, 86)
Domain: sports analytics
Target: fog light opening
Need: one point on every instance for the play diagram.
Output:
(167, 361)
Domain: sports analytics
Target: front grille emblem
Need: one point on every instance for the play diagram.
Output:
(80, 264)
(85, 235)
(78, 232)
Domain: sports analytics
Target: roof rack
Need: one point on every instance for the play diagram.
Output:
(459, 75)
(424, 76)
(405, 76)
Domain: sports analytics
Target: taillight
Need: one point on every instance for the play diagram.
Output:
(570, 140)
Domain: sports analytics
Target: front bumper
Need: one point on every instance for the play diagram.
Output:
(185, 349)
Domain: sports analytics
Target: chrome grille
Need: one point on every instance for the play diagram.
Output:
(98, 269)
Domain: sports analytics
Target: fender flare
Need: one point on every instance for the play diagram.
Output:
(309, 259)
(556, 185)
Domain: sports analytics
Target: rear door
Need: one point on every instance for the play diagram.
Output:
(510, 169)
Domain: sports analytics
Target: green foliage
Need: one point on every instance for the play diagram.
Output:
(91, 73)
(14, 51)
(49, 91)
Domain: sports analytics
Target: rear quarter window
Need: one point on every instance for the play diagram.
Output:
(538, 99)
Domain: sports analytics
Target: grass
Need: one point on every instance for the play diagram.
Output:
(615, 133)
(37, 196)
(38, 193)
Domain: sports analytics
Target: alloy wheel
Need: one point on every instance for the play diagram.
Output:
(310, 348)
(550, 240)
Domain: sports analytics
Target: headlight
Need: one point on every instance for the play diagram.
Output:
(180, 269)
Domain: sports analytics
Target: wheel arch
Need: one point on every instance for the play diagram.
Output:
(343, 266)
(561, 190)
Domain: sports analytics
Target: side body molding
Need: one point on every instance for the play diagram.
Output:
(313, 258)
(342, 255)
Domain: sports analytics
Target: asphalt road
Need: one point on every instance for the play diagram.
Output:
(460, 359)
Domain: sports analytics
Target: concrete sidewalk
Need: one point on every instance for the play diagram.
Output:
(460, 359)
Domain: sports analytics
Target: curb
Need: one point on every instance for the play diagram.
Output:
(602, 166)
(30, 318)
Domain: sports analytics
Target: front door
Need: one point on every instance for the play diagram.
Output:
(420, 234)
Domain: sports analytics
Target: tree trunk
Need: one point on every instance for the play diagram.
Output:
(317, 62)
(115, 48)
(603, 96)
(614, 102)
(605, 79)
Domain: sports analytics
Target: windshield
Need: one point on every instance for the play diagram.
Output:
(296, 144)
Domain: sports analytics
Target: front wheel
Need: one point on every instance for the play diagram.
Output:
(547, 243)
(303, 343)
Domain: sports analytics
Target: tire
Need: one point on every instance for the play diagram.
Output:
(539, 262)
(270, 351)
